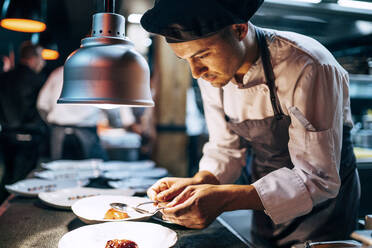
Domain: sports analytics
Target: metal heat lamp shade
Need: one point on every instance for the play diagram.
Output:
(106, 69)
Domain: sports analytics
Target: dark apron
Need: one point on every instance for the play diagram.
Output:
(268, 138)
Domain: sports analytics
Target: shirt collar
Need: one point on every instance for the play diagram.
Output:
(257, 65)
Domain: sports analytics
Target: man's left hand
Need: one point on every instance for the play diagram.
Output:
(197, 206)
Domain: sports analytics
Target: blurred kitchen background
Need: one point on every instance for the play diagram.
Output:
(177, 123)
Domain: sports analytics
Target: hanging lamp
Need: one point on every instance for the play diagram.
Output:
(50, 47)
(24, 15)
(50, 53)
(106, 69)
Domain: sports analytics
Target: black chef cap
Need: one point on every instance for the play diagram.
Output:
(185, 20)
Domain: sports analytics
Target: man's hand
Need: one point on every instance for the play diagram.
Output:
(197, 206)
(167, 188)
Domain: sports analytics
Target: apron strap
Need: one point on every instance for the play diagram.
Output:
(269, 73)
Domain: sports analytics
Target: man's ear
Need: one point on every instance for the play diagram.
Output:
(241, 30)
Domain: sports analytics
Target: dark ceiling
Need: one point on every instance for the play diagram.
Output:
(340, 29)
(335, 26)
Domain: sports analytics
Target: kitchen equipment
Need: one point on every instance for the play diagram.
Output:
(106, 69)
(329, 244)
(363, 138)
(367, 120)
(24, 16)
(369, 62)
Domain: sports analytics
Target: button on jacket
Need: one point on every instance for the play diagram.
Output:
(313, 90)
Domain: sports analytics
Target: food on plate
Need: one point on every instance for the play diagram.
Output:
(121, 243)
(113, 214)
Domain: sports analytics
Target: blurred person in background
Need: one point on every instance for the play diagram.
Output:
(22, 129)
(74, 127)
(145, 126)
(5, 64)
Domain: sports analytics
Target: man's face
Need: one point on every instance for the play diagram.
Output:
(216, 59)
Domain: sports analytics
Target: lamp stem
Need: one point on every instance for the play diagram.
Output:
(109, 6)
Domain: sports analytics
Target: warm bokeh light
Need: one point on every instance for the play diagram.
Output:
(49, 54)
(23, 25)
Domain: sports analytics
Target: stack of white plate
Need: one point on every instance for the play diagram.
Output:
(150, 173)
(86, 164)
(135, 177)
(60, 174)
(124, 165)
(65, 198)
(139, 185)
(72, 174)
(32, 187)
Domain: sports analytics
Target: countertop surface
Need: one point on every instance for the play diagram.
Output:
(26, 223)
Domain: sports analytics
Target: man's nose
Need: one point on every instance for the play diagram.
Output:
(197, 70)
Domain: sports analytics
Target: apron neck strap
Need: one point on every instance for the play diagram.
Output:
(269, 73)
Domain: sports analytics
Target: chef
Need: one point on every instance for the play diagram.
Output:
(280, 94)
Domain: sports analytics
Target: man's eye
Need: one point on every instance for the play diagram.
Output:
(203, 56)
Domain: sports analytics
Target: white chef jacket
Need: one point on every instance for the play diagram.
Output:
(72, 114)
(313, 90)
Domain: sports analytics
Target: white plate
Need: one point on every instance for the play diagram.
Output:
(32, 187)
(68, 174)
(150, 173)
(139, 185)
(146, 235)
(86, 164)
(118, 137)
(92, 210)
(66, 197)
(124, 165)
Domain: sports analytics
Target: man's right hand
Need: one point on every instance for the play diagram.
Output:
(167, 188)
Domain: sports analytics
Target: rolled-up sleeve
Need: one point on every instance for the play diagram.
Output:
(222, 154)
(315, 138)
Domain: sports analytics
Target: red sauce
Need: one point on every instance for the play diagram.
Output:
(121, 243)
